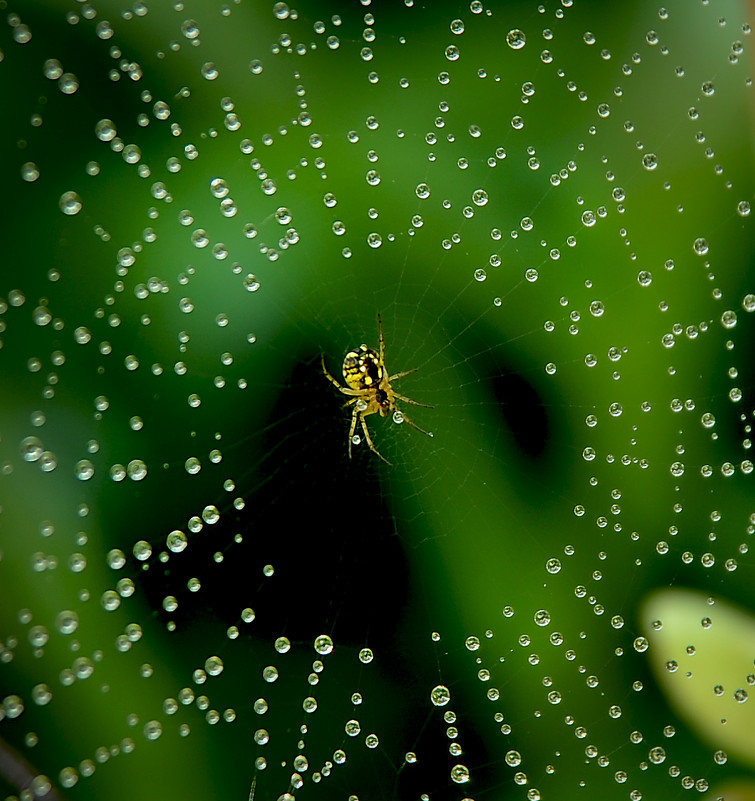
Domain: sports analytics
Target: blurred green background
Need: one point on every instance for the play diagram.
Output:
(549, 205)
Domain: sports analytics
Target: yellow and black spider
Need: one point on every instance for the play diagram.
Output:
(370, 385)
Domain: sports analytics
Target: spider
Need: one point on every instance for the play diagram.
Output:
(368, 382)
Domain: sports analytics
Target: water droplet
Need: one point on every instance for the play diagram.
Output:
(48, 461)
(153, 730)
(513, 758)
(588, 218)
(542, 617)
(84, 470)
(31, 449)
(516, 39)
(309, 704)
(176, 541)
(29, 172)
(729, 319)
(480, 197)
(70, 203)
(68, 83)
(553, 566)
(650, 161)
(190, 29)
(281, 10)
(105, 130)
(136, 470)
(251, 284)
(460, 774)
(52, 69)
(644, 278)
(440, 695)
(214, 665)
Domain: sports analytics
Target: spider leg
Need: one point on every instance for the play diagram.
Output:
(327, 374)
(334, 382)
(370, 442)
(413, 402)
(353, 427)
(401, 375)
(414, 425)
(382, 343)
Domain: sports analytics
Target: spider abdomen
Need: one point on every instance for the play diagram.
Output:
(362, 368)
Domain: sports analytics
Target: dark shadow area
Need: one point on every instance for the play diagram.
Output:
(317, 518)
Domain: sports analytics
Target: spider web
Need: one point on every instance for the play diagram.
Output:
(549, 205)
